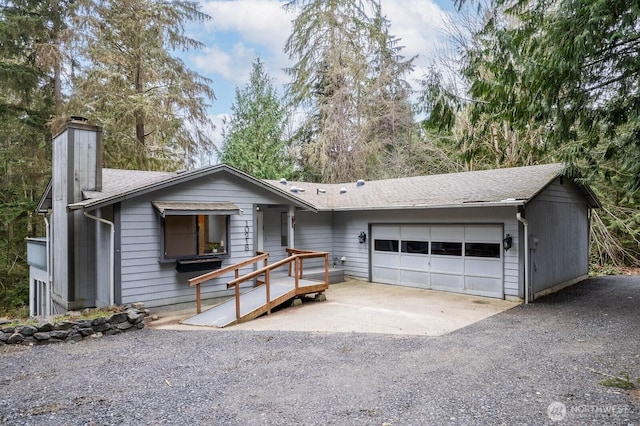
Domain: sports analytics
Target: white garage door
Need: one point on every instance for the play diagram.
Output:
(459, 258)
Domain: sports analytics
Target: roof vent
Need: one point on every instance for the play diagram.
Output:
(360, 182)
(343, 190)
(320, 191)
(283, 181)
(181, 171)
(294, 189)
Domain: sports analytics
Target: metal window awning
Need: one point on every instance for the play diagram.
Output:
(181, 208)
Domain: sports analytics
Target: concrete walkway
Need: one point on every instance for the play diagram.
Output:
(363, 307)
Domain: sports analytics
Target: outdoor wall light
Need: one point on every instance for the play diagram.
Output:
(507, 242)
(362, 238)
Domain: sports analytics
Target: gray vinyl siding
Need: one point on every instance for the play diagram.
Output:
(145, 278)
(314, 232)
(559, 219)
(348, 225)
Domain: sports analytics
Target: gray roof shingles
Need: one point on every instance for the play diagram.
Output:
(508, 185)
(118, 181)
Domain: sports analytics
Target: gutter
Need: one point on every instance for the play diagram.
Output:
(526, 256)
(112, 255)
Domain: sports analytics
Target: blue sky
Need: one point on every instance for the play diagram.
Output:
(241, 30)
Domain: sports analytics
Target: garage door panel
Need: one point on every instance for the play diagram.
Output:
(485, 234)
(414, 278)
(447, 282)
(420, 262)
(483, 286)
(387, 231)
(386, 275)
(447, 233)
(483, 267)
(415, 232)
(450, 265)
(386, 259)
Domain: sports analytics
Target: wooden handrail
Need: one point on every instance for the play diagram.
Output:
(219, 272)
(314, 254)
(260, 271)
(304, 254)
(299, 251)
(296, 259)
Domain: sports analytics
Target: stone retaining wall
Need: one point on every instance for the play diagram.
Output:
(73, 330)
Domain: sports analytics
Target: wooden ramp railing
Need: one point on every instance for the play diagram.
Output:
(295, 262)
(223, 271)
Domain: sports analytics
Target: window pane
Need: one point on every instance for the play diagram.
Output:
(421, 247)
(386, 245)
(446, 249)
(482, 250)
(213, 232)
(180, 236)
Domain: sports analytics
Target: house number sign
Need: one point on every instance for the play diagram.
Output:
(246, 235)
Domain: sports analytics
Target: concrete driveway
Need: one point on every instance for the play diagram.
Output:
(363, 307)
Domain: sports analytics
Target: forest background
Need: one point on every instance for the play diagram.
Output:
(524, 82)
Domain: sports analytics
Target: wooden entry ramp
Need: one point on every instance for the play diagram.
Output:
(272, 289)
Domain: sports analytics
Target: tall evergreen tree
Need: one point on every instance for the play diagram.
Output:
(254, 140)
(571, 69)
(346, 76)
(388, 111)
(26, 104)
(152, 107)
(327, 44)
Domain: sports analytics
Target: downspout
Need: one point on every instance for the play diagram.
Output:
(111, 255)
(49, 280)
(526, 256)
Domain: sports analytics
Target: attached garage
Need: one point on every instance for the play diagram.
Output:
(515, 233)
(458, 258)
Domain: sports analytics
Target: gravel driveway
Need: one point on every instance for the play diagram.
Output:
(534, 364)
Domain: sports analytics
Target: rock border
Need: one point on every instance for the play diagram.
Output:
(46, 331)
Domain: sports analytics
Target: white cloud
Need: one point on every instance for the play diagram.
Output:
(418, 23)
(263, 22)
(234, 65)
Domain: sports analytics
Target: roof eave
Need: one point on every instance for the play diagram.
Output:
(46, 198)
(510, 203)
(181, 178)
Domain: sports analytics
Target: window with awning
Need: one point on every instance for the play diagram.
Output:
(194, 229)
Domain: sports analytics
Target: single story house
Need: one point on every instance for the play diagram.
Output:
(120, 236)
